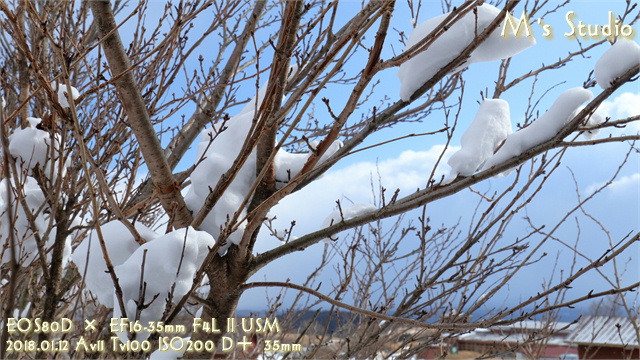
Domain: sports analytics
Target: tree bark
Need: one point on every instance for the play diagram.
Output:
(265, 149)
(138, 118)
(226, 276)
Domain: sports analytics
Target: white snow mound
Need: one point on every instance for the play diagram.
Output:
(287, 164)
(64, 94)
(120, 245)
(347, 213)
(216, 157)
(595, 119)
(422, 67)
(26, 248)
(617, 60)
(544, 128)
(488, 130)
(32, 148)
(170, 265)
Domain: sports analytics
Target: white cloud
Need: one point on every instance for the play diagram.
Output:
(624, 105)
(310, 206)
(409, 171)
(624, 185)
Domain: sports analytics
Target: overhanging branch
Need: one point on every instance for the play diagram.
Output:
(430, 194)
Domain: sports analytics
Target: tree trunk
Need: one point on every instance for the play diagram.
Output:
(226, 275)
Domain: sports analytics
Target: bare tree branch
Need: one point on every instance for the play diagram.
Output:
(138, 118)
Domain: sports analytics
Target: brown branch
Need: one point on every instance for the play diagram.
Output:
(408, 136)
(333, 134)
(265, 148)
(348, 33)
(374, 55)
(14, 267)
(24, 83)
(358, 310)
(422, 45)
(317, 65)
(431, 194)
(367, 75)
(558, 64)
(167, 188)
(389, 113)
(598, 141)
(611, 123)
(564, 284)
(98, 172)
(311, 174)
(85, 156)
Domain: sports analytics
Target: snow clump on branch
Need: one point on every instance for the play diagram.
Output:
(288, 164)
(25, 237)
(120, 244)
(617, 60)
(422, 67)
(488, 130)
(219, 147)
(32, 148)
(341, 214)
(170, 265)
(596, 118)
(63, 94)
(544, 128)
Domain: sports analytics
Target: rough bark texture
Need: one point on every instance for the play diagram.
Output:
(138, 118)
(265, 149)
(226, 275)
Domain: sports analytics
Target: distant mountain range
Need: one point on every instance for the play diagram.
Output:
(320, 317)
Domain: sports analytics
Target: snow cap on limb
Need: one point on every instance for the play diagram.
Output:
(617, 60)
(422, 67)
(346, 213)
(170, 264)
(64, 94)
(32, 149)
(488, 130)
(544, 128)
(120, 245)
